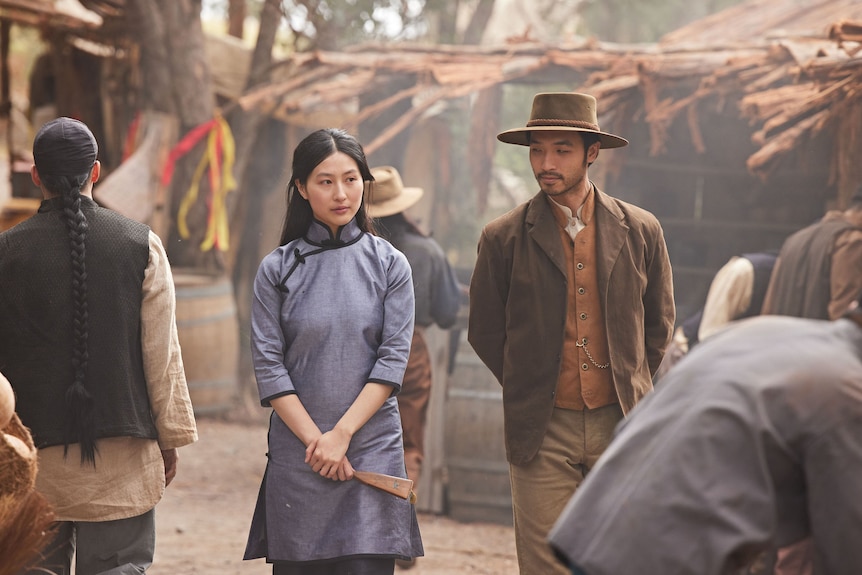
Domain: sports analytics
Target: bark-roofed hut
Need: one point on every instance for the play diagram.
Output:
(744, 126)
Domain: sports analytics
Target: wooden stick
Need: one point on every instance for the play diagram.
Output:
(397, 486)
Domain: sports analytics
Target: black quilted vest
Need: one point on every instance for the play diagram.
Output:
(36, 321)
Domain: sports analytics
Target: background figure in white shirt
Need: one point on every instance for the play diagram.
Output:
(736, 292)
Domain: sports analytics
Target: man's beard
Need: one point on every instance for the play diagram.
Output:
(562, 192)
(567, 189)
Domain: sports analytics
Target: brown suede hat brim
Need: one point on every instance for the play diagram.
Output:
(562, 112)
(520, 137)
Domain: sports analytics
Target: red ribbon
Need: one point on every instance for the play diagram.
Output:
(183, 147)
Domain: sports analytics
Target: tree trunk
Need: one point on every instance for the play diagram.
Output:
(236, 14)
(176, 81)
(259, 162)
(447, 18)
(478, 22)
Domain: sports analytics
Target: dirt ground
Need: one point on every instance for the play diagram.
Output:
(203, 520)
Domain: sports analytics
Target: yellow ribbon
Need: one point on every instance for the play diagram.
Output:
(220, 159)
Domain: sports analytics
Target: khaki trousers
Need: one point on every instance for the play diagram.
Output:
(541, 488)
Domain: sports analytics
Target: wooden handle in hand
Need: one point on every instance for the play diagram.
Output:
(397, 486)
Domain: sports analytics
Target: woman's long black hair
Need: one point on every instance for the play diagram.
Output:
(310, 152)
(80, 424)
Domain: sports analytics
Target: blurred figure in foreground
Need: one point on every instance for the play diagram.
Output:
(752, 442)
(816, 277)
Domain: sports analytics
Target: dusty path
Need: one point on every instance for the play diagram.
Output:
(203, 520)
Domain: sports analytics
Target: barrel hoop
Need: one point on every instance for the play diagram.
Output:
(474, 464)
(207, 383)
(483, 499)
(186, 292)
(461, 393)
(222, 315)
(211, 409)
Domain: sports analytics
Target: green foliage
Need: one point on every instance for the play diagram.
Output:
(334, 24)
(643, 20)
(25, 46)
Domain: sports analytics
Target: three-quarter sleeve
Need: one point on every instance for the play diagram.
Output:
(268, 344)
(398, 318)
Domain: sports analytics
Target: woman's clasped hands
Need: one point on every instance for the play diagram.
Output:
(327, 455)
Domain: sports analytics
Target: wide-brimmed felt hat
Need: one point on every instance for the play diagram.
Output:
(562, 111)
(389, 196)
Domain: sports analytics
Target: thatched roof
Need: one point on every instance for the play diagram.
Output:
(67, 14)
(792, 68)
(789, 87)
(764, 20)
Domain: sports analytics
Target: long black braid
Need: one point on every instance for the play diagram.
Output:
(80, 424)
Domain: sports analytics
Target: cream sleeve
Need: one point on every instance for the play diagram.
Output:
(163, 362)
(729, 296)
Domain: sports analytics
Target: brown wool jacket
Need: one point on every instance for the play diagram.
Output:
(518, 308)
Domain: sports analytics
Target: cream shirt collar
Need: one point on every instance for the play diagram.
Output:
(574, 222)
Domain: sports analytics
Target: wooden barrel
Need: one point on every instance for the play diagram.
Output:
(16, 210)
(209, 338)
(478, 487)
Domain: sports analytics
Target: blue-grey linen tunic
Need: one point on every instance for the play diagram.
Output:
(323, 325)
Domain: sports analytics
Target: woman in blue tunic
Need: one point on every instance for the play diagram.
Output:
(332, 319)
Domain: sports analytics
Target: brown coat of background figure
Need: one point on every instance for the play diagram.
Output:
(438, 296)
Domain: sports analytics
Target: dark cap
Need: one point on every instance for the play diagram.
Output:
(64, 147)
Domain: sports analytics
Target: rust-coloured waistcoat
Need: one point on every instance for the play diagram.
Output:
(585, 378)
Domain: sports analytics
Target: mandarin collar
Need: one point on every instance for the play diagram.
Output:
(56, 203)
(319, 234)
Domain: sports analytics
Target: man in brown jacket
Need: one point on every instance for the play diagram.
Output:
(571, 308)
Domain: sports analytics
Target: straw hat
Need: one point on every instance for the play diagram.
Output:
(562, 111)
(389, 195)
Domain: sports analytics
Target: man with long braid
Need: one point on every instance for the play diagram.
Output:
(89, 343)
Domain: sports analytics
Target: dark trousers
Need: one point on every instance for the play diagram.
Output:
(121, 547)
(346, 567)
